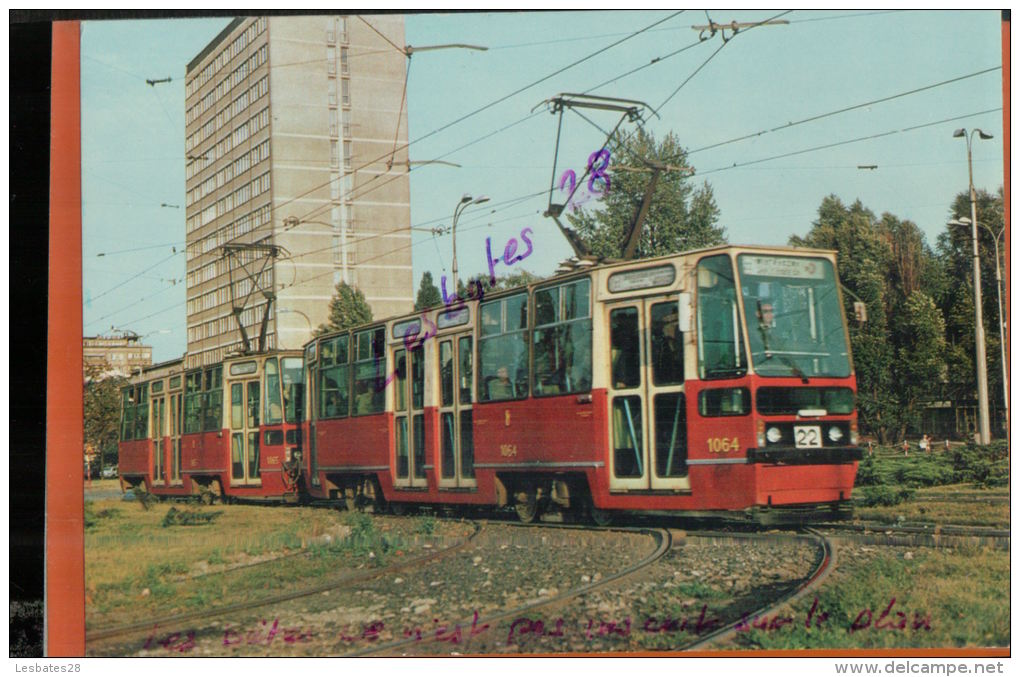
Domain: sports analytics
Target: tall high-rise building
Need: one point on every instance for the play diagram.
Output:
(292, 180)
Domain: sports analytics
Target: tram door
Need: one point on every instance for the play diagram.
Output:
(158, 430)
(409, 416)
(244, 433)
(456, 453)
(175, 437)
(648, 420)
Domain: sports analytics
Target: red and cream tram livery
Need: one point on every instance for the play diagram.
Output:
(223, 431)
(717, 380)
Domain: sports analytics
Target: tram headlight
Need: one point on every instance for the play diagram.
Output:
(835, 434)
(773, 435)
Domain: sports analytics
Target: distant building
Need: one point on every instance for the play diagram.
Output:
(280, 114)
(115, 355)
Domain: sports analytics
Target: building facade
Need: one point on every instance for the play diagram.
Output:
(114, 355)
(290, 129)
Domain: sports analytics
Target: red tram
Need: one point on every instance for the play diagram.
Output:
(717, 380)
(227, 430)
(714, 381)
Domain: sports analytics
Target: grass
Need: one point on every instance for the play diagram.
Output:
(136, 568)
(941, 598)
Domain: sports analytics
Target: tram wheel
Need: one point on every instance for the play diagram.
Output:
(527, 509)
(601, 518)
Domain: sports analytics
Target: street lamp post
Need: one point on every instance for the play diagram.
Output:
(1002, 320)
(984, 430)
(464, 203)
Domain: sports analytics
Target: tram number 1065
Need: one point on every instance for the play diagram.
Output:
(722, 445)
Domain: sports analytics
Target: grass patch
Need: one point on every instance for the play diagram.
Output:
(935, 598)
(883, 495)
(94, 516)
(426, 525)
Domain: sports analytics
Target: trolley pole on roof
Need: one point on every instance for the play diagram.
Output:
(242, 255)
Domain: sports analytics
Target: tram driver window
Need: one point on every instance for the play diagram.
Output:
(503, 349)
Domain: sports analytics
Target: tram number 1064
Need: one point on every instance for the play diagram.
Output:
(723, 445)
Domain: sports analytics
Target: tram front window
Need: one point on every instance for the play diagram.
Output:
(794, 322)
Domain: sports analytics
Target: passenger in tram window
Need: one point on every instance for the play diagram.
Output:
(363, 399)
(667, 351)
(501, 387)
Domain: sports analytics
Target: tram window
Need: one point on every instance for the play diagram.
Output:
(127, 415)
(670, 435)
(503, 349)
(720, 347)
(401, 441)
(193, 403)
(562, 339)
(467, 445)
(253, 455)
(667, 345)
(236, 406)
(625, 347)
(142, 413)
(418, 428)
(400, 380)
(253, 404)
(446, 373)
(272, 438)
(369, 368)
(724, 402)
(466, 358)
(212, 399)
(447, 467)
(293, 389)
(334, 375)
(627, 436)
(418, 378)
(274, 404)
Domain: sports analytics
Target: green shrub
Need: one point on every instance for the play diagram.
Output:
(426, 525)
(175, 517)
(883, 495)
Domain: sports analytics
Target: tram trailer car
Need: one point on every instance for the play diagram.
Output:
(717, 381)
(224, 431)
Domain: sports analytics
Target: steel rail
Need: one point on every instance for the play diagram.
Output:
(826, 564)
(662, 536)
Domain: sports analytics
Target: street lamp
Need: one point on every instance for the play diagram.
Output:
(964, 221)
(984, 431)
(464, 203)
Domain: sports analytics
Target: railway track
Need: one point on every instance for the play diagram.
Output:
(168, 623)
(663, 541)
(826, 563)
(920, 534)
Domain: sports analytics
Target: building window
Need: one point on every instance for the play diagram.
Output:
(346, 118)
(343, 29)
(331, 60)
(334, 154)
(346, 89)
(344, 64)
(347, 154)
(333, 122)
(331, 91)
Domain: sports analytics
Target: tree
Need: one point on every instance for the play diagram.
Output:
(863, 258)
(428, 293)
(347, 309)
(956, 298)
(920, 362)
(101, 420)
(680, 217)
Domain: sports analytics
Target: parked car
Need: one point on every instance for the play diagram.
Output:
(110, 472)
